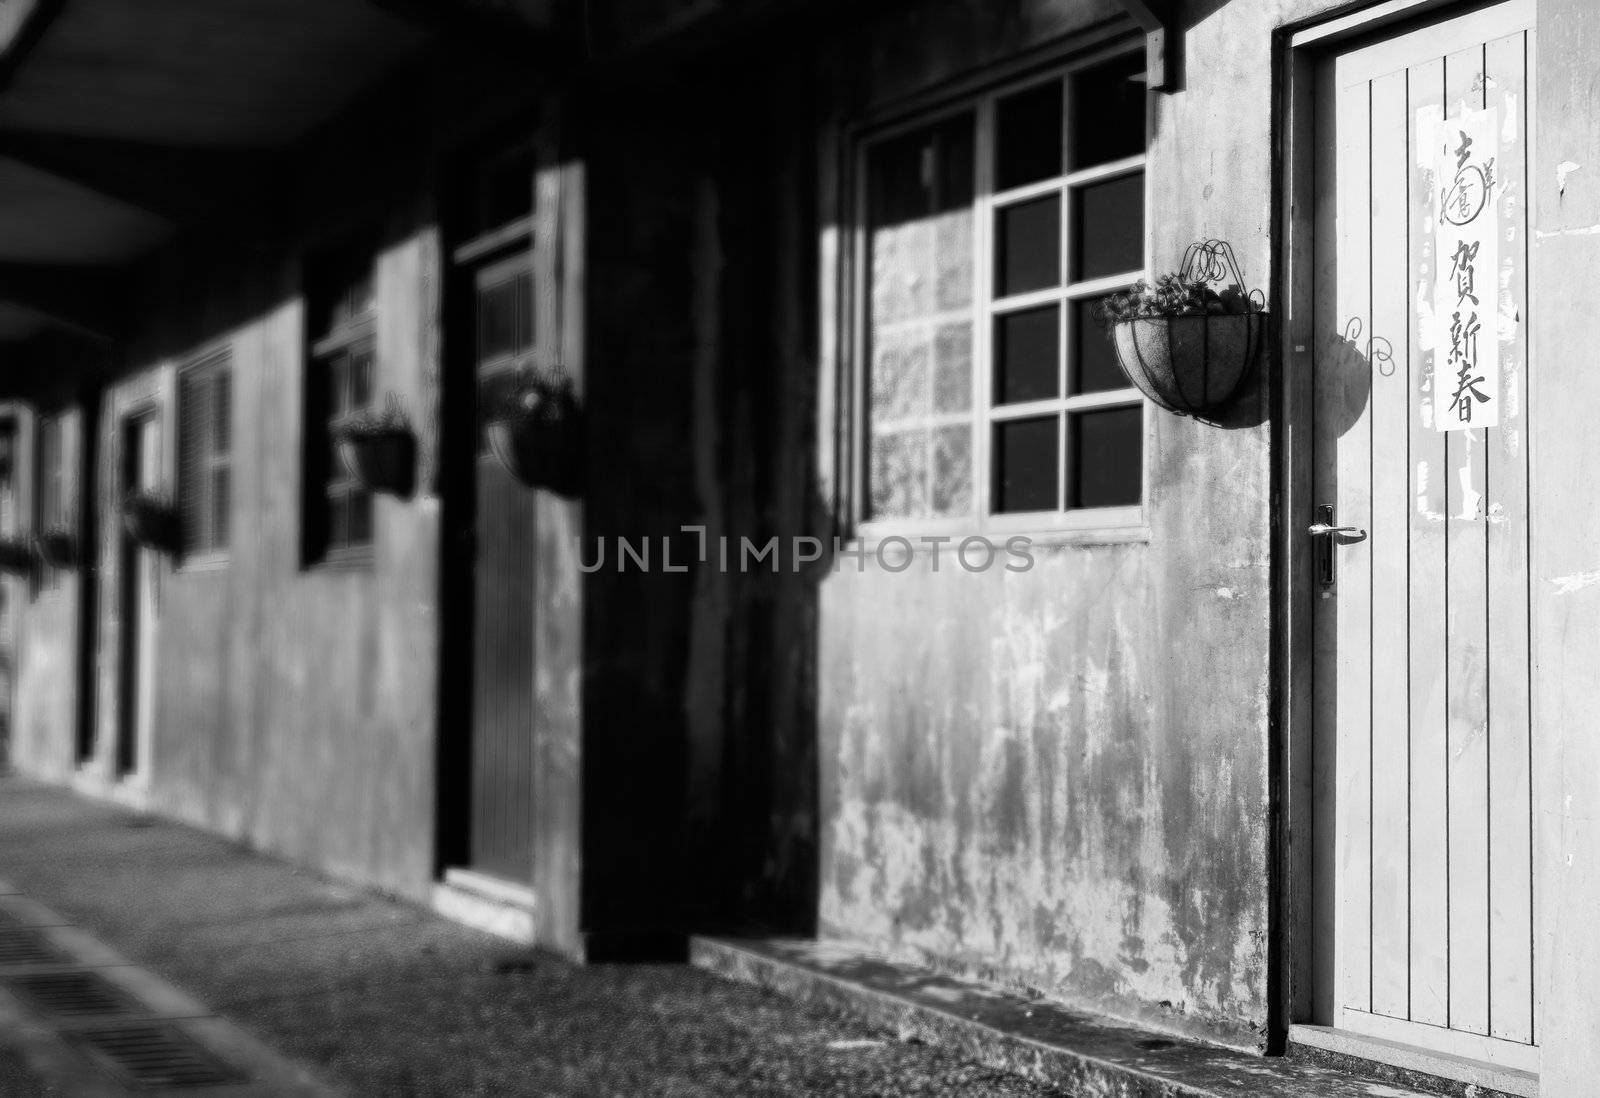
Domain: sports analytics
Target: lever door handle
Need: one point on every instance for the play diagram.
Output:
(1323, 530)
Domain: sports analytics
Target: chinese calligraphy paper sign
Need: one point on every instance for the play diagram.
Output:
(1466, 345)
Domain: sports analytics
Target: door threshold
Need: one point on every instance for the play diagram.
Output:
(1412, 1058)
(494, 906)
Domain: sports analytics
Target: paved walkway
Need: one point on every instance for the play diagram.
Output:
(382, 998)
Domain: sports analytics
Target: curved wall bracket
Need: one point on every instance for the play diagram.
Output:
(1159, 21)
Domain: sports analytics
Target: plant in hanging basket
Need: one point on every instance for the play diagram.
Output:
(1183, 342)
(379, 449)
(58, 548)
(536, 431)
(17, 556)
(151, 520)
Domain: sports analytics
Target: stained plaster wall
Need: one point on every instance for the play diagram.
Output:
(1060, 777)
(46, 620)
(294, 706)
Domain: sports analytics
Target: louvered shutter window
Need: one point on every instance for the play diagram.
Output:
(204, 455)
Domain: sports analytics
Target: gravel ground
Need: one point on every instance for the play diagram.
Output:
(385, 999)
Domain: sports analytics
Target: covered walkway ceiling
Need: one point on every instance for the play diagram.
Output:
(123, 120)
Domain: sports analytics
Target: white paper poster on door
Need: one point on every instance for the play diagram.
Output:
(1466, 387)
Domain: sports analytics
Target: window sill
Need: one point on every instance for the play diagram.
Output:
(201, 562)
(1089, 527)
(343, 560)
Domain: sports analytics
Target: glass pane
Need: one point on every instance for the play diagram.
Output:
(919, 202)
(1028, 144)
(360, 504)
(899, 465)
(1108, 104)
(1027, 356)
(1025, 464)
(1108, 227)
(1094, 365)
(952, 370)
(222, 412)
(900, 375)
(1028, 246)
(952, 470)
(501, 313)
(360, 379)
(493, 388)
(338, 521)
(1107, 457)
(219, 508)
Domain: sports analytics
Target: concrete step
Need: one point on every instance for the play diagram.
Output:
(1044, 1040)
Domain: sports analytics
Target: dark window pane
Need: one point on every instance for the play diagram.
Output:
(338, 521)
(1106, 457)
(1094, 359)
(1108, 227)
(923, 172)
(222, 422)
(220, 502)
(505, 187)
(505, 317)
(952, 470)
(360, 504)
(1028, 246)
(360, 380)
(899, 464)
(1108, 105)
(1025, 464)
(952, 370)
(1028, 144)
(1027, 355)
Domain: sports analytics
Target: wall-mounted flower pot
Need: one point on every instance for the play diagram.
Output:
(57, 548)
(1191, 365)
(383, 461)
(17, 557)
(152, 523)
(541, 453)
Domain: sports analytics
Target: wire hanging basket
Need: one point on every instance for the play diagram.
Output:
(1183, 343)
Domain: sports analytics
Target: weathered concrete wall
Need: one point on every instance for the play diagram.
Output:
(47, 626)
(1060, 777)
(294, 706)
(1564, 451)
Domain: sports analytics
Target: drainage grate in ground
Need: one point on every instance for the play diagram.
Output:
(26, 947)
(158, 1056)
(75, 995)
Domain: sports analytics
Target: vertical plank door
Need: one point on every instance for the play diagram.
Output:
(1421, 640)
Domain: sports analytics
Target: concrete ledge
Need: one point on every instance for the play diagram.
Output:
(1036, 1038)
(1485, 1077)
(494, 907)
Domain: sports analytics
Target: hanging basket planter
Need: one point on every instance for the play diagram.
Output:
(380, 450)
(536, 433)
(1183, 343)
(57, 548)
(152, 521)
(17, 557)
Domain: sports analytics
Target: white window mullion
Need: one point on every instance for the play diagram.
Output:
(983, 244)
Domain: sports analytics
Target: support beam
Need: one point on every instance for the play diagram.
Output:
(179, 185)
(36, 17)
(83, 300)
(518, 31)
(1162, 39)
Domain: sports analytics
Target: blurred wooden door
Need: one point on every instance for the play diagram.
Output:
(1422, 694)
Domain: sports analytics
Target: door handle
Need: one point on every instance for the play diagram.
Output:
(1323, 530)
(1327, 533)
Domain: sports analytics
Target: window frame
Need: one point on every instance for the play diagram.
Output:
(215, 362)
(50, 504)
(980, 98)
(328, 293)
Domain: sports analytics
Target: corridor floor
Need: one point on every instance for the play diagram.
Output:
(379, 997)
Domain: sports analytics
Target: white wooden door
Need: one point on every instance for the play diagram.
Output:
(1421, 683)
